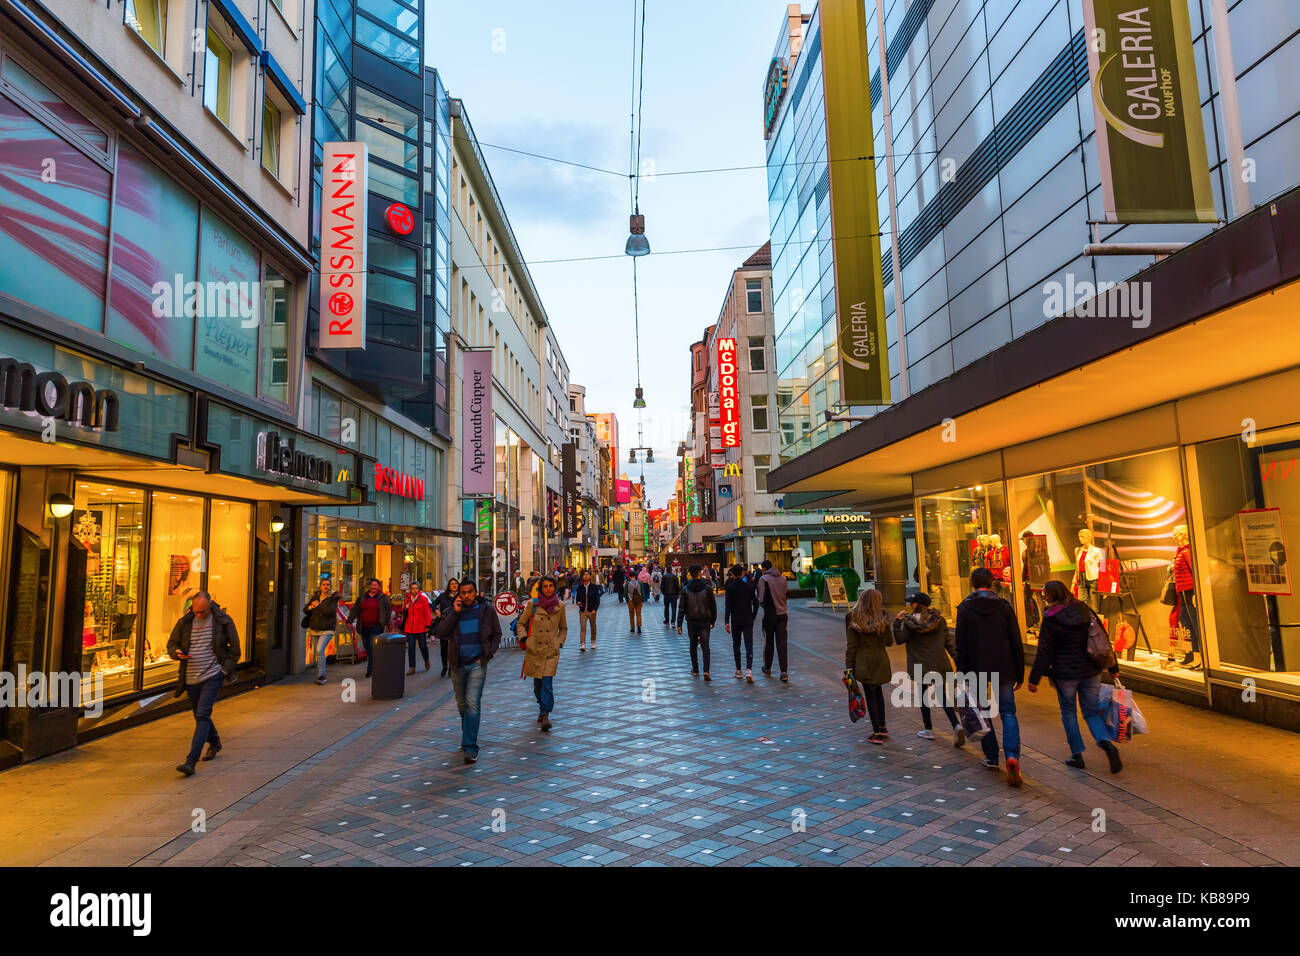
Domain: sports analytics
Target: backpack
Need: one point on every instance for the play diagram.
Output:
(1099, 650)
(696, 604)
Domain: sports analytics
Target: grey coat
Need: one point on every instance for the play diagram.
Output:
(929, 643)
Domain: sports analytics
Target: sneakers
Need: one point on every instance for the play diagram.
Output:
(925, 734)
(186, 768)
(471, 758)
(990, 762)
(739, 675)
(322, 680)
(1076, 760)
(582, 648)
(1013, 773)
(213, 750)
(749, 675)
(1112, 754)
(959, 736)
(878, 739)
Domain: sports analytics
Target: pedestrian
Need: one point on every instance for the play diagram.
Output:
(656, 583)
(929, 643)
(671, 586)
(635, 596)
(519, 585)
(618, 579)
(372, 615)
(587, 598)
(772, 588)
(988, 645)
(866, 637)
(417, 618)
(699, 610)
(441, 605)
(320, 618)
(544, 628)
(206, 643)
(473, 631)
(1062, 656)
(740, 607)
(646, 580)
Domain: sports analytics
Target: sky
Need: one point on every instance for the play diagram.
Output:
(556, 79)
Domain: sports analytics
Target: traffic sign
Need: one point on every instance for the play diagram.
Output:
(506, 603)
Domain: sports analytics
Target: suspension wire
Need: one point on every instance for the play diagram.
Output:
(636, 324)
(640, 108)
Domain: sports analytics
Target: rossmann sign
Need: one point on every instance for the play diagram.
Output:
(728, 393)
(343, 247)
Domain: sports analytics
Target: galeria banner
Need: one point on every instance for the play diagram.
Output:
(1150, 137)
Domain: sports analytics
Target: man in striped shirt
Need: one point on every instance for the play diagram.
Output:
(206, 643)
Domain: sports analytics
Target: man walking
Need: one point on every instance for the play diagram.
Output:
(618, 579)
(474, 633)
(671, 587)
(587, 597)
(771, 598)
(206, 643)
(988, 645)
(739, 610)
(699, 609)
(635, 599)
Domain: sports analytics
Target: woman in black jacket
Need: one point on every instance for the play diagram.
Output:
(1063, 656)
(741, 606)
(441, 605)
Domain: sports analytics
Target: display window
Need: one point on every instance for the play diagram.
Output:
(108, 521)
(779, 549)
(962, 530)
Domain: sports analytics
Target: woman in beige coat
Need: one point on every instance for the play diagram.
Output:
(542, 629)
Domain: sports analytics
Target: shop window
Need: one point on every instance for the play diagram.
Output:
(230, 566)
(780, 551)
(217, 64)
(277, 300)
(271, 126)
(149, 19)
(109, 523)
(175, 575)
(757, 354)
(963, 530)
(226, 333)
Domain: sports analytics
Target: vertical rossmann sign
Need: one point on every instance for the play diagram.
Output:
(1150, 137)
(569, 490)
(343, 247)
(855, 221)
(728, 393)
(478, 474)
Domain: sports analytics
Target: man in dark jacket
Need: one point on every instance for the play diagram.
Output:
(671, 587)
(989, 650)
(699, 609)
(474, 634)
(587, 597)
(772, 589)
(741, 607)
(206, 643)
(618, 579)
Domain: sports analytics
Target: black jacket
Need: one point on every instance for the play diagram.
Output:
(741, 602)
(489, 630)
(587, 597)
(225, 642)
(670, 585)
(696, 586)
(988, 638)
(1063, 645)
(324, 616)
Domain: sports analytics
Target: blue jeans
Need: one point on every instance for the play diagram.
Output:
(544, 691)
(423, 640)
(322, 639)
(467, 682)
(670, 608)
(202, 697)
(368, 635)
(1010, 726)
(1071, 694)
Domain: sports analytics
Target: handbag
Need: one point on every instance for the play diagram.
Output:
(1169, 594)
(1098, 648)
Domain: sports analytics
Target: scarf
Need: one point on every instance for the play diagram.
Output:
(549, 604)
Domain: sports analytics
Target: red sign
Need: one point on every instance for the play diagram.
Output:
(728, 393)
(506, 603)
(343, 247)
(395, 483)
(400, 219)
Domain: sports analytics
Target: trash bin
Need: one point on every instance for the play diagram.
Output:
(388, 669)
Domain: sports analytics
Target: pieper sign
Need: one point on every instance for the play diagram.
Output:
(400, 219)
(343, 247)
(728, 393)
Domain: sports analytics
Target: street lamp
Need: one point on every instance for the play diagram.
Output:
(637, 244)
(60, 505)
(277, 524)
(639, 401)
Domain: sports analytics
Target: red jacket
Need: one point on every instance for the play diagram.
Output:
(419, 614)
(1184, 580)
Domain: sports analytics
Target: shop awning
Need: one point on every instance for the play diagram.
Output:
(1222, 312)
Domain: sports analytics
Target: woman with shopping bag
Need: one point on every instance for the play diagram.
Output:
(866, 635)
(1063, 657)
(541, 630)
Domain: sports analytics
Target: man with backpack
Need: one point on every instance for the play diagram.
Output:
(988, 644)
(671, 586)
(771, 593)
(699, 610)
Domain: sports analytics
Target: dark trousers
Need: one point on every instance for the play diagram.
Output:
(743, 630)
(874, 695)
(202, 697)
(948, 712)
(411, 639)
(670, 608)
(618, 586)
(699, 637)
(442, 652)
(1187, 618)
(774, 633)
(544, 691)
(368, 635)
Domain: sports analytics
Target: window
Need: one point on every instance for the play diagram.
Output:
(217, 61)
(226, 335)
(762, 465)
(149, 19)
(757, 354)
(175, 537)
(759, 412)
(753, 295)
(277, 295)
(270, 137)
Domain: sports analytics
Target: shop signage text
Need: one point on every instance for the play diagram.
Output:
(569, 482)
(275, 457)
(773, 94)
(51, 395)
(343, 247)
(395, 483)
(477, 474)
(846, 519)
(728, 393)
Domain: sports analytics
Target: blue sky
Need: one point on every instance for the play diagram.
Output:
(556, 78)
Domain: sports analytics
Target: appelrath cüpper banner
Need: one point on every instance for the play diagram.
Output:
(478, 442)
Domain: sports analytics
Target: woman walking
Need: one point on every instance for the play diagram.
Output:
(320, 617)
(542, 629)
(866, 634)
(739, 610)
(1063, 656)
(441, 605)
(417, 619)
(372, 615)
(930, 649)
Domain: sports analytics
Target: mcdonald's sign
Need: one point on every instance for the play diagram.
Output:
(731, 470)
(728, 393)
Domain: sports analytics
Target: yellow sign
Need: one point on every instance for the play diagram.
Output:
(835, 593)
(740, 518)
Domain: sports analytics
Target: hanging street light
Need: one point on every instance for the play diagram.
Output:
(637, 243)
(639, 401)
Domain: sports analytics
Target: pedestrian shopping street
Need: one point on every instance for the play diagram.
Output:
(648, 766)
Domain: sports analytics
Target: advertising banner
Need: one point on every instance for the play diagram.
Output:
(478, 473)
(1263, 549)
(622, 491)
(728, 394)
(855, 221)
(1150, 137)
(569, 493)
(343, 247)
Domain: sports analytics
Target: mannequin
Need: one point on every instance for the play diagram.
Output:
(1184, 612)
(981, 551)
(1087, 568)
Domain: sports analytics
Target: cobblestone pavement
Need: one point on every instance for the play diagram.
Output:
(649, 766)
